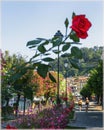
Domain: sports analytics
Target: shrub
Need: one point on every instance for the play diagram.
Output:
(56, 117)
(6, 110)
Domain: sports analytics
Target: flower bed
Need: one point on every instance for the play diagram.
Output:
(56, 117)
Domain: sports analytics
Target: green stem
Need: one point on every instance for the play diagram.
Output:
(67, 37)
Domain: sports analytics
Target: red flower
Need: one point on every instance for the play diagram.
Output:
(81, 25)
(10, 127)
(65, 98)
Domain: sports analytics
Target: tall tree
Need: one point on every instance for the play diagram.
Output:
(18, 76)
(95, 82)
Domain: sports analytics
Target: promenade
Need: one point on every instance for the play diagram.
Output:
(93, 119)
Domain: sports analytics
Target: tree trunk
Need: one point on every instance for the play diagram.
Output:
(102, 99)
(7, 103)
(24, 105)
(97, 99)
(17, 103)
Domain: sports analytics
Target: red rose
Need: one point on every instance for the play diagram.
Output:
(81, 25)
(10, 127)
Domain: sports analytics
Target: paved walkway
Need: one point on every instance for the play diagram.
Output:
(93, 119)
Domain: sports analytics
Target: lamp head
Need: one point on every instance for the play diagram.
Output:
(58, 34)
(66, 64)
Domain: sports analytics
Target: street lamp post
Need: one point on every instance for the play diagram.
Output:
(66, 65)
(58, 35)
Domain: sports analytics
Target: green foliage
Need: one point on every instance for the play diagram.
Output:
(42, 70)
(41, 48)
(48, 59)
(56, 51)
(52, 78)
(33, 43)
(65, 55)
(62, 84)
(86, 92)
(96, 79)
(7, 110)
(95, 82)
(66, 46)
(19, 78)
(56, 41)
(7, 86)
(74, 63)
(92, 54)
(82, 66)
(71, 115)
(76, 52)
(74, 37)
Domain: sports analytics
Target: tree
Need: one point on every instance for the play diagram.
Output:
(18, 75)
(21, 79)
(90, 58)
(46, 87)
(7, 89)
(95, 81)
(86, 92)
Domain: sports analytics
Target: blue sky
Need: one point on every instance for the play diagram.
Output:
(22, 21)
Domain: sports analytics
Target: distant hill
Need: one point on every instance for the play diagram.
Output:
(90, 59)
